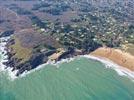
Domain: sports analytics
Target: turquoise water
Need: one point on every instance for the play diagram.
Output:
(81, 79)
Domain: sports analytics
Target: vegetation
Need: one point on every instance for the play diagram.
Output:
(20, 52)
(93, 27)
(73, 25)
(54, 8)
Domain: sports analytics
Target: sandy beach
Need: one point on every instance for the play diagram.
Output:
(119, 57)
(115, 55)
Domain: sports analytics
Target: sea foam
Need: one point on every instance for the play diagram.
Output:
(12, 74)
(56, 64)
(4, 58)
(109, 64)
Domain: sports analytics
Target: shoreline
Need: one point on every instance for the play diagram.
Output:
(56, 64)
(3, 52)
(4, 58)
(121, 70)
(106, 62)
(117, 56)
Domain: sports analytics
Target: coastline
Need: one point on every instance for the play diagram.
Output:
(4, 58)
(122, 71)
(9, 70)
(56, 64)
(95, 55)
(117, 56)
(3, 52)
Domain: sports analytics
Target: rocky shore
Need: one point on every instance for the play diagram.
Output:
(120, 57)
(4, 57)
(43, 56)
(3, 49)
(117, 56)
(36, 59)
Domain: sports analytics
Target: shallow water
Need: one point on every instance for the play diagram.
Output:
(81, 79)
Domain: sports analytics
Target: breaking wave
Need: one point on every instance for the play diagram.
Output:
(12, 74)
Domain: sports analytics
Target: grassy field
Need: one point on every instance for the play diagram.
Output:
(21, 52)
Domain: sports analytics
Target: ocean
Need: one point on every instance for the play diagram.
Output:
(80, 79)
